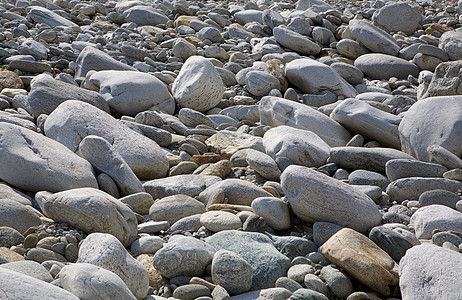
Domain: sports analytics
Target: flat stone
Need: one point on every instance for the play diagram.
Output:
(396, 17)
(295, 41)
(390, 241)
(383, 66)
(145, 15)
(373, 38)
(441, 197)
(42, 15)
(190, 185)
(403, 168)
(227, 143)
(173, 208)
(30, 268)
(17, 215)
(191, 292)
(435, 216)
(350, 48)
(220, 220)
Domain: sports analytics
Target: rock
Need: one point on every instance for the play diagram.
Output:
(92, 210)
(396, 17)
(227, 143)
(276, 111)
(30, 268)
(30, 66)
(307, 294)
(42, 15)
(426, 219)
(175, 207)
(383, 66)
(441, 155)
(403, 168)
(363, 260)
(309, 192)
(6, 256)
(274, 211)
(41, 255)
(300, 73)
(31, 288)
(105, 251)
(350, 48)
(183, 49)
(338, 282)
(88, 281)
(47, 94)
(191, 292)
(429, 261)
(144, 156)
(130, 92)
(368, 178)
(258, 250)
(422, 126)
(249, 15)
(232, 272)
(348, 72)
(302, 147)
(412, 187)
(314, 283)
(390, 241)
(295, 41)
(34, 48)
(260, 83)
(138, 202)
(373, 38)
(441, 197)
(198, 85)
(265, 294)
(372, 159)
(261, 162)
(10, 79)
(322, 231)
(359, 117)
(221, 169)
(220, 220)
(450, 42)
(183, 256)
(443, 81)
(189, 185)
(91, 58)
(17, 215)
(10, 237)
(192, 118)
(146, 245)
(145, 15)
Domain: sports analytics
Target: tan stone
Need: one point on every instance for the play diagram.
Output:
(206, 159)
(6, 256)
(437, 27)
(184, 20)
(363, 260)
(156, 280)
(220, 169)
(229, 206)
(10, 80)
(276, 68)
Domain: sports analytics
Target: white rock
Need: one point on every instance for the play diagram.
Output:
(220, 220)
(295, 41)
(435, 216)
(274, 211)
(146, 245)
(145, 15)
(396, 17)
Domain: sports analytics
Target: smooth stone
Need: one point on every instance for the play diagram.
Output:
(412, 187)
(88, 281)
(93, 59)
(243, 112)
(359, 117)
(337, 281)
(248, 16)
(261, 162)
(42, 15)
(364, 177)
(445, 157)
(183, 49)
(441, 197)
(423, 126)
(426, 62)
(17, 119)
(146, 245)
(220, 220)
(130, 92)
(314, 283)
(198, 85)
(446, 237)
(192, 118)
(396, 17)
(175, 207)
(295, 41)
(41, 255)
(373, 38)
(226, 143)
(428, 271)
(232, 272)
(7, 255)
(302, 147)
(276, 111)
(372, 159)
(308, 192)
(307, 294)
(301, 73)
(298, 272)
(47, 94)
(186, 256)
(322, 231)
(105, 251)
(265, 294)
(260, 83)
(31, 288)
(274, 211)
(10, 237)
(143, 155)
(138, 202)
(108, 185)
(428, 218)
(383, 66)
(105, 158)
(191, 292)
(350, 48)
(34, 48)
(390, 241)
(17, 216)
(363, 260)
(189, 185)
(30, 268)
(186, 224)
(92, 210)
(403, 168)
(412, 50)
(293, 246)
(348, 72)
(258, 250)
(145, 15)
(450, 42)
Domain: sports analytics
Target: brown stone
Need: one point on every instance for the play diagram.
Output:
(6, 256)
(229, 206)
(220, 169)
(198, 280)
(156, 280)
(437, 27)
(363, 260)
(276, 68)
(10, 80)
(217, 197)
(31, 241)
(184, 20)
(345, 60)
(193, 40)
(206, 159)
(363, 296)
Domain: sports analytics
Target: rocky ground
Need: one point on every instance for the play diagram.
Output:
(230, 149)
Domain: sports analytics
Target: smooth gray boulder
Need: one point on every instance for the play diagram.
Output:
(451, 43)
(295, 41)
(383, 66)
(88, 281)
(275, 111)
(105, 251)
(373, 38)
(232, 272)
(47, 94)
(34, 162)
(428, 218)
(315, 197)
(145, 15)
(423, 126)
(92, 210)
(249, 15)
(444, 81)
(130, 92)
(402, 168)
(226, 142)
(359, 117)
(42, 15)
(73, 120)
(190, 185)
(396, 17)
(311, 77)
(429, 272)
(261, 162)
(260, 83)
(274, 211)
(29, 268)
(175, 207)
(17, 215)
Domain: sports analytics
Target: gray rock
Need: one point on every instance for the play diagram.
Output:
(450, 42)
(190, 185)
(309, 192)
(443, 82)
(92, 210)
(174, 208)
(138, 202)
(359, 117)
(30, 268)
(186, 224)
(45, 164)
(287, 283)
(34, 48)
(272, 18)
(412, 187)
(295, 41)
(243, 112)
(311, 76)
(441, 155)
(30, 66)
(403, 168)
(198, 85)
(227, 143)
(249, 15)
(232, 272)
(47, 94)
(105, 158)
(390, 241)
(210, 33)
(274, 211)
(350, 48)
(144, 156)
(339, 283)
(441, 197)
(31, 288)
(17, 119)
(260, 83)
(191, 292)
(429, 261)
(42, 15)
(41, 255)
(265, 294)
(146, 245)
(364, 177)
(293, 246)
(300, 25)
(258, 250)
(276, 111)
(348, 72)
(410, 51)
(322, 231)
(88, 281)
(10, 236)
(145, 15)
(435, 216)
(105, 251)
(383, 66)
(183, 256)
(374, 38)
(299, 271)
(396, 17)
(183, 49)
(130, 92)
(261, 162)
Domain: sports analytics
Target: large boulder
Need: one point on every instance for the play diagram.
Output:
(17, 215)
(396, 17)
(383, 66)
(315, 197)
(429, 218)
(42, 15)
(73, 120)
(374, 38)
(451, 43)
(445, 80)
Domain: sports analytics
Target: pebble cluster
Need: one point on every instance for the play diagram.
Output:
(303, 150)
